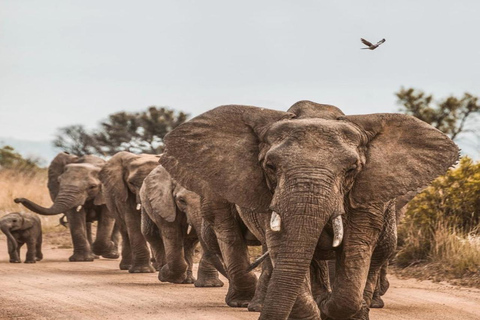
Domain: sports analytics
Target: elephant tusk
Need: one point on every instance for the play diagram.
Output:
(275, 222)
(337, 225)
(139, 206)
(79, 208)
(189, 229)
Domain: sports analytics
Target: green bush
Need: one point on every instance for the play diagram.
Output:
(447, 211)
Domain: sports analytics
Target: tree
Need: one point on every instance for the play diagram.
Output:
(138, 132)
(13, 160)
(451, 115)
(75, 140)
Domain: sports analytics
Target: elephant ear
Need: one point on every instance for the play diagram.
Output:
(27, 222)
(156, 194)
(308, 109)
(55, 169)
(403, 154)
(112, 174)
(216, 154)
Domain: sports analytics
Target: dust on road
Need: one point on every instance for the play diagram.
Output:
(57, 289)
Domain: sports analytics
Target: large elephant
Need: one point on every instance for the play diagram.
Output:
(76, 191)
(306, 171)
(122, 177)
(171, 220)
(21, 228)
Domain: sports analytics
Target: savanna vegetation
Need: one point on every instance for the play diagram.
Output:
(439, 237)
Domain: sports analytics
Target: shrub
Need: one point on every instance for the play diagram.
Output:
(442, 222)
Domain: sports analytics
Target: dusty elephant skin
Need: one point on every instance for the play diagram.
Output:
(122, 177)
(171, 221)
(76, 190)
(307, 167)
(21, 228)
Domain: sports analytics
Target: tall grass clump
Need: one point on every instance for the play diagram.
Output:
(23, 178)
(441, 224)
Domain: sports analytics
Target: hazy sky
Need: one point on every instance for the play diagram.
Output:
(74, 62)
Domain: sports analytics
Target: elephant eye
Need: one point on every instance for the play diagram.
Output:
(270, 166)
(352, 169)
(182, 201)
(93, 186)
(14, 220)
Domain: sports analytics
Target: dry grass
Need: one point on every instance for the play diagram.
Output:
(25, 184)
(453, 256)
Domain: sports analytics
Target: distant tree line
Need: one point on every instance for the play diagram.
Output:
(137, 132)
(10, 159)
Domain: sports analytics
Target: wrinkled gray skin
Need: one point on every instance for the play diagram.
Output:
(21, 228)
(122, 177)
(73, 182)
(167, 211)
(307, 165)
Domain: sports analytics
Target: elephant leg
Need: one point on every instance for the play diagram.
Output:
(90, 238)
(377, 301)
(190, 244)
(39, 255)
(234, 251)
(319, 275)
(175, 269)
(152, 234)
(256, 304)
(207, 275)
(13, 251)
(140, 252)
(89, 233)
(126, 262)
(31, 250)
(103, 244)
(116, 236)
(78, 230)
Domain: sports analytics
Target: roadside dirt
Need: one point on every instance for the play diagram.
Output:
(57, 289)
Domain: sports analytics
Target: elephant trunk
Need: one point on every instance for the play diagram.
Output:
(65, 200)
(300, 215)
(5, 229)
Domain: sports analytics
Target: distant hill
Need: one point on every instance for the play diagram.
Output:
(42, 150)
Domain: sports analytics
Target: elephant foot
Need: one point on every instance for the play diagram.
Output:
(377, 303)
(189, 280)
(165, 275)
(255, 306)
(81, 257)
(124, 266)
(111, 255)
(239, 296)
(96, 257)
(39, 257)
(208, 282)
(141, 269)
(30, 261)
(15, 261)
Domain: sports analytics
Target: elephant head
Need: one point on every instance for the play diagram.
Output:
(307, 166)
(72, 181)
(14, 222)
(122, 178)
(164, 198)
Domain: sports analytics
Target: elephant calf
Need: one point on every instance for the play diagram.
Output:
(21, 228)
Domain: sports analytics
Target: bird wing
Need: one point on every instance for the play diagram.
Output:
(380, 42)
(365, 42)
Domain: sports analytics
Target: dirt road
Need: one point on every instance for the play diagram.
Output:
(57, 289)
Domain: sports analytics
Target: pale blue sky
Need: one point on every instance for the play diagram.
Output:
(74, 62)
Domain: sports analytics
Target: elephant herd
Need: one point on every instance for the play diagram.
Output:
(309, 185)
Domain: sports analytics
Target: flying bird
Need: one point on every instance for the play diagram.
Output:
(370, 45)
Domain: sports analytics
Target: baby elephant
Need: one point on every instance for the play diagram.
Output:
(21, 228)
